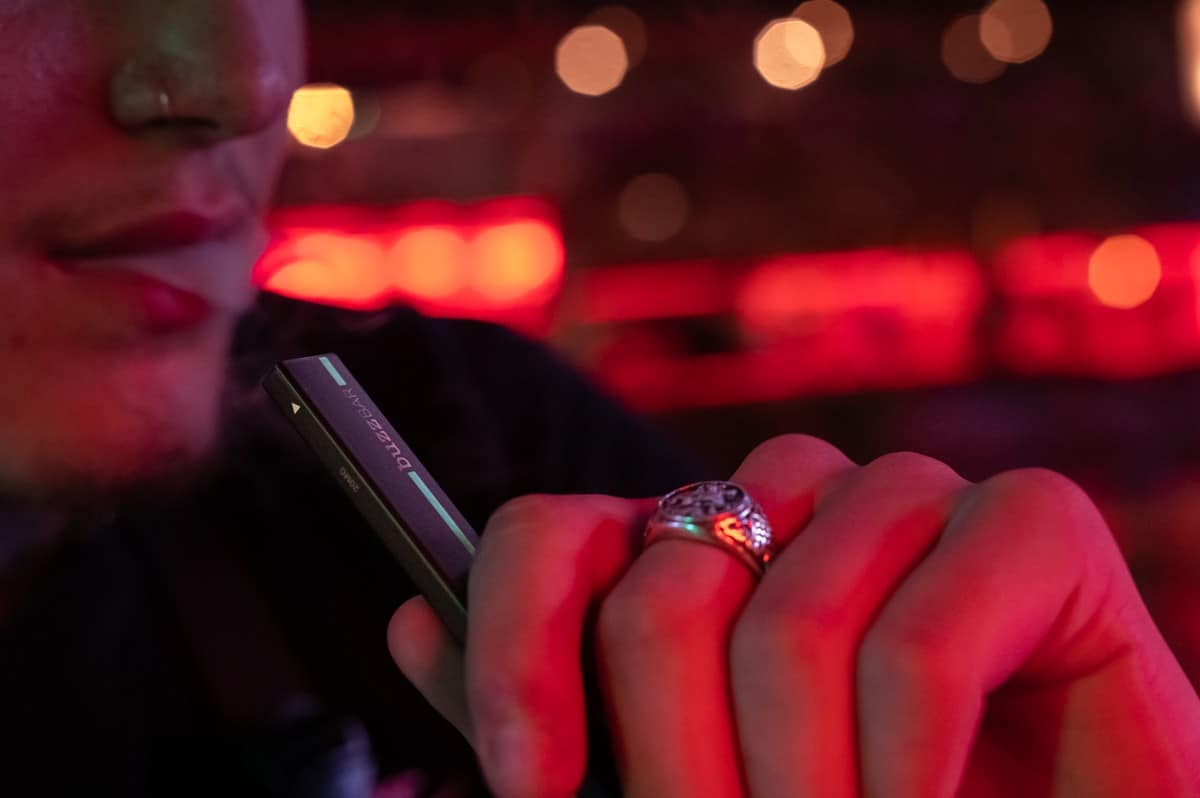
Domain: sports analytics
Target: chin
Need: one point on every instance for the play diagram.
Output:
(91, 423)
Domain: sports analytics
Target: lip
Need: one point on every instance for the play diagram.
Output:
(151, 234)
(157, 307)
(208, 256)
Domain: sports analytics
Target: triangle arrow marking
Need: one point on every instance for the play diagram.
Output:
(295, 408)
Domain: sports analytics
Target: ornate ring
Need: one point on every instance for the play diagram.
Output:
(717, 513)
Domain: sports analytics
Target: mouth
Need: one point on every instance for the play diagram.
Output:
(164, 232)
(176, 269)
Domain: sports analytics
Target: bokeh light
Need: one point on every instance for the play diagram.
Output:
(429, 262)
(321, 115)
(625, 23)
(653, 207)
(833, 22)
(341, 269)
(788, 292)
(591, 60)
(1124, 271)
(501, 259)
(1189, 55)
(1016, 31)
(515, 260)
(367, 112)
(1195, 278)
(789, 53)
(965, 56)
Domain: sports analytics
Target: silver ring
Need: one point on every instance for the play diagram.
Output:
(718, 513)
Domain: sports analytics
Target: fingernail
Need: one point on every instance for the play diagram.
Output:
(507, 755)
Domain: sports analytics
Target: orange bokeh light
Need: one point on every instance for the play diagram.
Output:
(1016, 31)
(321, 115)
(516, 260)
(653, 207)
(1188, 45)
(429, 262)
(789, 53)
(965, 56)
(341, 269)
(833, 22)
(1124, 271)
(627, 24)
(591, 60)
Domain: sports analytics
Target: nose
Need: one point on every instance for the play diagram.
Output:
(215, 69)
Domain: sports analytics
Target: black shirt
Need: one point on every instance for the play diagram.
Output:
(229, 639)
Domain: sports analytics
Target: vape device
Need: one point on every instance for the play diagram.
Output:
(398, 497)
(382, 477)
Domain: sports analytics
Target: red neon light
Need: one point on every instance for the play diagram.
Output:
(796, 293)
(812, 324)
(485, 261)
(886, 319)
(654, 291)
(1052, 322)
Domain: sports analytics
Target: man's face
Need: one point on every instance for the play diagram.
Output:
(139, 144)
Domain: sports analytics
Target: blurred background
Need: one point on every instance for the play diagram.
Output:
(966, 229)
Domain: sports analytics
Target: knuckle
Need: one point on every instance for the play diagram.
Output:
(795, 448)
(522, 512)
(512, 523)
(1053, 503)
(908, 466)
(1040, 485)
(542, 535)
(541, 511)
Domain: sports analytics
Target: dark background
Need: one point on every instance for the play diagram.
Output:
(886, 149)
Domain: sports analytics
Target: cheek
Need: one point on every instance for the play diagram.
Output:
(53, 76)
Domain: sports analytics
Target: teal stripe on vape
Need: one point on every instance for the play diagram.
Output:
(437, 505)
(333, 372)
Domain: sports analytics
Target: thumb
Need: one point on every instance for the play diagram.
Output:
(432, 660)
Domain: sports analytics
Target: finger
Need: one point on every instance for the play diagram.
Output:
(542, 563)
(1021, 567)
(793, 650)
(664, 637)
(428, 655)
(787, 475)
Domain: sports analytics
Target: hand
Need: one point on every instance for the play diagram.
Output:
(918, 635)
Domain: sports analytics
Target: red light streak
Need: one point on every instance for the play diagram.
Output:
(1052, 322)
(813, 323)
(823, 323)
(798, 291)
(497, 258)
(654, 291)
